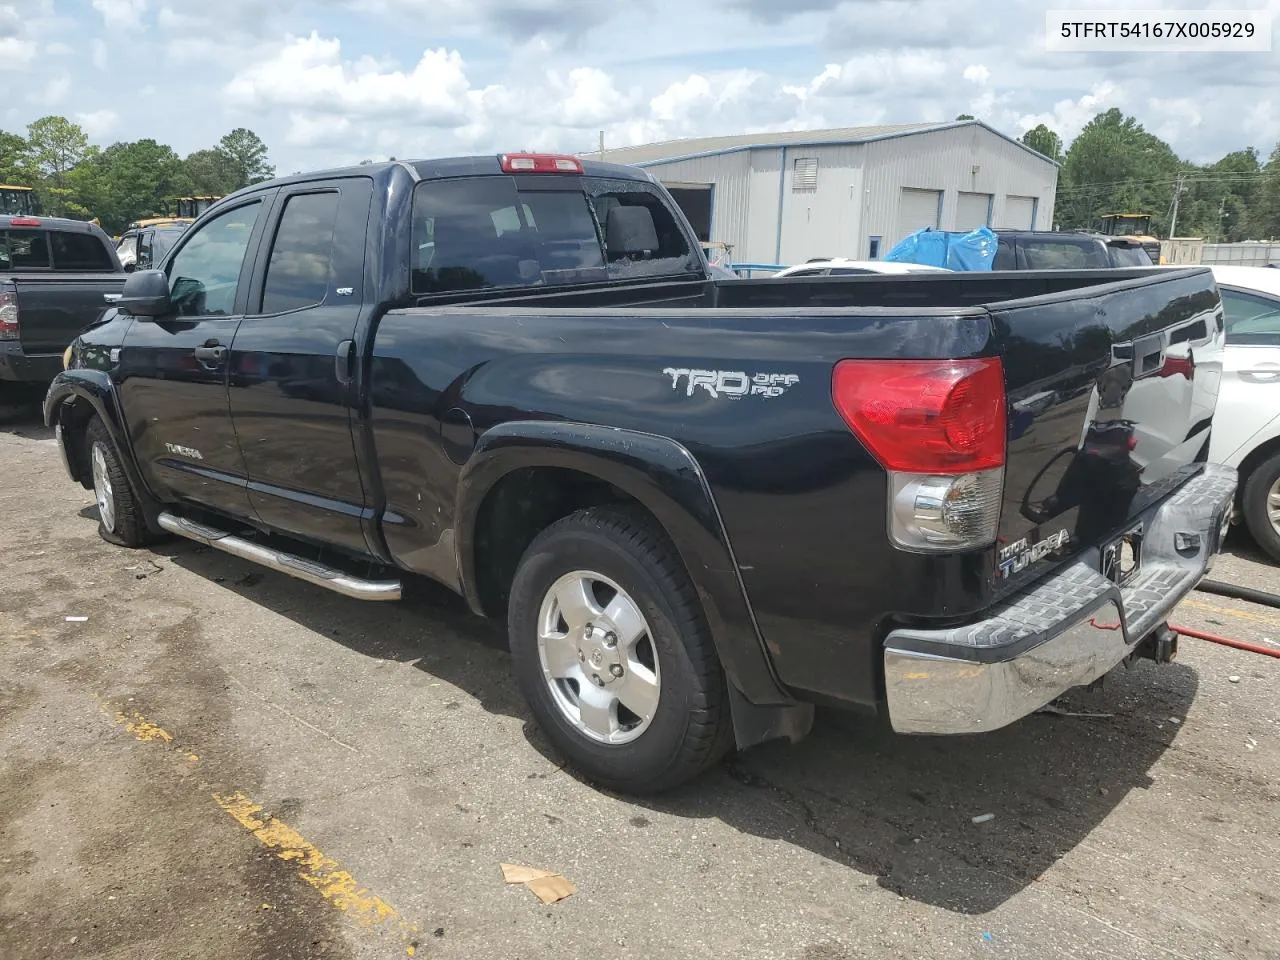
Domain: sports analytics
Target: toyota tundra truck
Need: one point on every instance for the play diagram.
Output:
(702, 507)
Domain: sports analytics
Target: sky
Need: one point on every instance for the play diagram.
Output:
(328, 82)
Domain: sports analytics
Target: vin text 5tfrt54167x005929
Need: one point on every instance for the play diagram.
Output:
(702, 506)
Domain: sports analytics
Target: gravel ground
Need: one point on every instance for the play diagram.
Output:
(219, 761)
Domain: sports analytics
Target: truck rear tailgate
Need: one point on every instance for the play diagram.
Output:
(1111, 397)
(54, 307)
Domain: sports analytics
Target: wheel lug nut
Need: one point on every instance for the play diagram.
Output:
(616, 669)
(595, 678)
(582, 657)
(610, 639)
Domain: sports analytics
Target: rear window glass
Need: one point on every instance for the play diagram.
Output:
(1063, 255)
(672, 252)
(1129, 256)
(483, 233)
(24, 250)
(79, 251)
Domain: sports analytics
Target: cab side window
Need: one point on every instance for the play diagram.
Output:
(1251, 320)
(300, 266)
(204, 274)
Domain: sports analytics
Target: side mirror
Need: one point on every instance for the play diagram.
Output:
(130, 267)
(146, 294)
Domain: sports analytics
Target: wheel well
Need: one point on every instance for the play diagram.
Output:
(75, 416)
(1256, 457)
(519, 507)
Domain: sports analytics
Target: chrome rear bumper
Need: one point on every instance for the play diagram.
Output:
(1067, 631)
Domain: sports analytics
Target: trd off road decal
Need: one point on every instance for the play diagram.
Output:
(731, 383)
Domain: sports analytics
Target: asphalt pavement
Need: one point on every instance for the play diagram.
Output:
(200, 758)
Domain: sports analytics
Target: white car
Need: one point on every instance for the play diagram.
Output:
(840, 267)
(1246, 423)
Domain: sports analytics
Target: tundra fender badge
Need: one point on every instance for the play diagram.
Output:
(191, 453)
(731, 383)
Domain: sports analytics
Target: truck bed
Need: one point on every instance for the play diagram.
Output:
(1110, 376)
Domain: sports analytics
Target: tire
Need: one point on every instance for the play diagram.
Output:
(1258, 489)
(120, 519)
(690, 727)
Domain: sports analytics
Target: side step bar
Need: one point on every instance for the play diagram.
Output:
(294, 566)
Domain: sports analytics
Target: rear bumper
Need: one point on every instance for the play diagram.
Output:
(15, 365)
(1065, 632)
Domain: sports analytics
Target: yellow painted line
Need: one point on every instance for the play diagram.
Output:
(325, 874)
(145, 731)
(1227, 611)
(318, 870)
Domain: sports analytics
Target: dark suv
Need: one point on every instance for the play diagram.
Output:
(1050, 250)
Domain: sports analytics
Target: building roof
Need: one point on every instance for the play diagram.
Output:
(670, 150)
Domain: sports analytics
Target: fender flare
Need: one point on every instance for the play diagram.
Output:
(96, 388)
(665, 478)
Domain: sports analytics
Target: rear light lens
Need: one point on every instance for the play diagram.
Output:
(925, 416)
(950, 513)
(539, 163)
(939, 428)
(24, 222)
(8, 314)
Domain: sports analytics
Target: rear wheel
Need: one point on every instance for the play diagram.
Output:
(613, 655)
(120, 518)
(1261, 505)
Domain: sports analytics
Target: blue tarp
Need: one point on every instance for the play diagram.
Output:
(975, 250)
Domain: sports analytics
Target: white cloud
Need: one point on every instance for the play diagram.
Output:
(309, 74)
(906, 72)
(121, 14)
(1172, 119)
(58, 49)
(54, 92)
(15, 53)
(97, 123)
(976, 73)
(1068, 117)
(100, 57)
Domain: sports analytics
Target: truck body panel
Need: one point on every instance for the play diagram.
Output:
(462, 368)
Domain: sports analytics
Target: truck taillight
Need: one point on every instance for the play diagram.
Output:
(539, 163)
(8, 313)
(938, 427)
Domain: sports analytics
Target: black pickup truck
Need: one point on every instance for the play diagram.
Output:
(701, 506)
(55, 277)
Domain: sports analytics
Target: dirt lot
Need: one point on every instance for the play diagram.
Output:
(220, 762)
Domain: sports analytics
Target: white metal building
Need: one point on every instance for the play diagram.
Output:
(853, 192)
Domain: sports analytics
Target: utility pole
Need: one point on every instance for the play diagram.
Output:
(601, 144)
(1222, 214)
(1173, 217)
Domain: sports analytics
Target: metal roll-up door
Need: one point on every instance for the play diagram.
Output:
(973, 210)
(917, 209)
(1019, 213)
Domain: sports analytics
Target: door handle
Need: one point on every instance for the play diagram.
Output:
(211, 353)
(342, 361)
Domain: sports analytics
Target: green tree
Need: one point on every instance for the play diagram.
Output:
(54, 146)
(248, 156)
(1043, 141)
(127, 181)
(211, 173)
(1266, 215)
(14, 160)
(1116, 166)
(964, 116)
